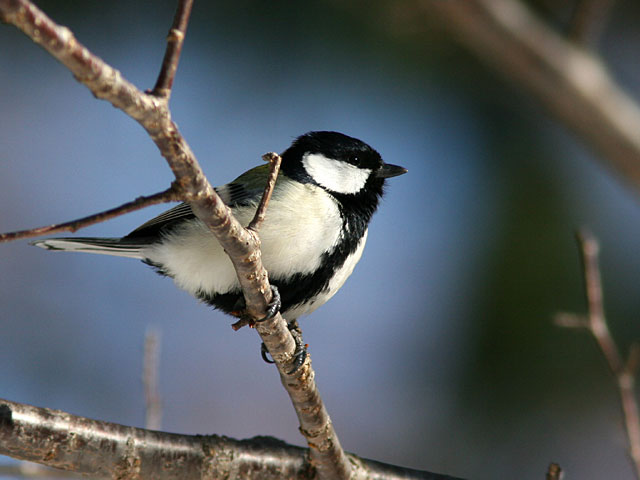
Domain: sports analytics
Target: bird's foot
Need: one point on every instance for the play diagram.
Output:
(240, 310)
(299, 354)
(274, 306)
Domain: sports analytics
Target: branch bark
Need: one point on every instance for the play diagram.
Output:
(175, 39)
(109, 450)
(572, 83)
(241, 244)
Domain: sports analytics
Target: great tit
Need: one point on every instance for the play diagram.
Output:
(312, 236)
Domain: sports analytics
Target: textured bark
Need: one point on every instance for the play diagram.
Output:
(242, 245)
(109, 450)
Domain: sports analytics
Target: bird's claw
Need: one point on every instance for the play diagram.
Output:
(299, 354)
(264, 353)
(274, 306)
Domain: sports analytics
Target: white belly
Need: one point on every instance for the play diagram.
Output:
(302, 222)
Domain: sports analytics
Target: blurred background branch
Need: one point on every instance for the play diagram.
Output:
(572, 82)
(150, 379)
(623, 370)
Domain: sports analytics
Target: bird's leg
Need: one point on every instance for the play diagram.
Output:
(299, 354)
(240, 310)
(274, 306)
(272, 309)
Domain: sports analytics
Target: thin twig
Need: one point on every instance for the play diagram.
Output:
(150, 369)
(274, 167)
(623, 371)
(241, 244)
(595, 307)
(168, 195)
(175, 39)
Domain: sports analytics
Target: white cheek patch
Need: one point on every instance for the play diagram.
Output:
(335, 175)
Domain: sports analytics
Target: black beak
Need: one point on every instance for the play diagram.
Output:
(387, 170)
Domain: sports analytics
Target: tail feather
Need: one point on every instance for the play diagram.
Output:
(103, 246)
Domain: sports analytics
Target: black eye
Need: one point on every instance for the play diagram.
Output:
(354, 160)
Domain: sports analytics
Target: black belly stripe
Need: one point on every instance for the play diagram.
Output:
(301, 287)
(355, 210)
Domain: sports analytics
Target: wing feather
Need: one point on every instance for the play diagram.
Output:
(245, 189)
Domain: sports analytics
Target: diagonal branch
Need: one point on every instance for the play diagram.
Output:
(175, 39)
(168, 195)
(242, 245)
(597, 324)
(570, 82)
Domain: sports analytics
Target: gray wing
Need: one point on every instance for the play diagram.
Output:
(233, 194)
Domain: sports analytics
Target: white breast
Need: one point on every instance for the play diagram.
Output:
(302, 223)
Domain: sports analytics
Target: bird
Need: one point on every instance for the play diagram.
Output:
(312, 236)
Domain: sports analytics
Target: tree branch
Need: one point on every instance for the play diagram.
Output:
(168, 195)
(274, 167)
(572, 83)
(175, 39)
(110, 450)
(596, 324)
(242, 245)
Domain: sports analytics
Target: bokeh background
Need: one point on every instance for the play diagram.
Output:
(440, 352)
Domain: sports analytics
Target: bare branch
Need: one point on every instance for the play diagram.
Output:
(242, 245)
(274, 167)
(150, 368)
(593, 287)
(175, 39)
(623, 371)
(141, 202)
(573, 84)
(110, 450)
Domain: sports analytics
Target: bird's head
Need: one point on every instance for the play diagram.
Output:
(344, 166)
